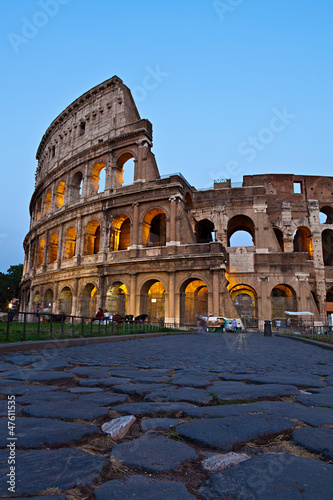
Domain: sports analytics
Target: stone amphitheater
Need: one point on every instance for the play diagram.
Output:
(108, 231)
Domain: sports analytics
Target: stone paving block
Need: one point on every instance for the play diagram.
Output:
(66, 409)
(43, 497)
(281, 378)
(316, 399)
(137, 487)
(90, 372)
(191, 380)
(329, 380)
(84, 390)
(153, 452)
(47, 363)
(158, 423)
(9, 383)
(220, 410)
(316, 440)
(4, 407)
(40, 432)
(106, 382)
(314, 416)
(183, 394)
(21, 359)
(224, 433)
(39, 375)
(38, 470)
(138, 388)
(22, 390)
(151, 408)
(5, 367)
(32, 398)
(278, 477)
(104, 398)
(239, 390)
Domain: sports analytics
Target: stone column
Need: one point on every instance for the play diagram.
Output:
(105, 236)
(132, 297)
(79, 240)
(170, 317)
(216, 292)
(60, 246)
(135, 226)
(75, 297)
(86, 182)
(173, 209)
(67, 191)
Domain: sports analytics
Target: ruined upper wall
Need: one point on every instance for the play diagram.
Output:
(104, 112)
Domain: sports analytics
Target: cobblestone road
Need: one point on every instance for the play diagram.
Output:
(217, 416)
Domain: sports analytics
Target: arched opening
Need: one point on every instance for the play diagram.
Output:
(97, 178)
(70, 243)
(92, 238)
(39, 209)
(283, 298)
(327, 243)
(60, 195)
(89, 301)
(65, 301)
(326, 215)
(154, 228)
(32, 256)
(188, 201)
(53, 248)
(329, 306)
(47, 202)
(116, 299)
(153, 300)
(48, 300)
(241, 231)
(120, 235)
(193, 301)
(204, 231)
(125, 169)
(36, 301)
(303, 240)
(279, 236)
(76, 187)
(41, 248)
(245, 301)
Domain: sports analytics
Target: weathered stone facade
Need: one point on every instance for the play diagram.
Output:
(157, 245)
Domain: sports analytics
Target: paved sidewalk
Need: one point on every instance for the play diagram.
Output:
(217, 416)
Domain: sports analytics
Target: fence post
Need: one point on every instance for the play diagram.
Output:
(62, 326)
(38, 326)
(8, 319)
(73, 326)
(24, 324)
(51, 326)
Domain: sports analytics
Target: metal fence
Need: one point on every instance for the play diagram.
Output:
(320, 333)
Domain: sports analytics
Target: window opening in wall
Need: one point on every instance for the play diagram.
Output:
(47, 202)
(82, 128)
(92, 238)
(205, 231)
(193, 301)
(125, 169)
(53, 151)
(297, 187)
(89, 301)
(97, 178)
(245, 301)
(279, 237)
(70, 243)
(65, 301)
(116, 299)
(53, 248)
(326, 215)
(60, 195)
(101, 184)
(128, 172)
(153, 300)
(241, 231)
(327, 243)
(303, 241)
(41, 248)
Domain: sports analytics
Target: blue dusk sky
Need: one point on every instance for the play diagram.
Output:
(232, 87)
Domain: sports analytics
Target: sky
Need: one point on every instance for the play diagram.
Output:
(236, 87)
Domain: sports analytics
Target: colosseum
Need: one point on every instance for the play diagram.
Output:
(155, 244)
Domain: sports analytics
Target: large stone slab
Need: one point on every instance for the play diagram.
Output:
(22, 390)
(39, 432)
(4, 407)
(84, 390)
(65, 409)
(226, 410)
(46, 396)
(278, 477)
(104, 382)
(39, 375)
(143, 376)
(153, 452)
(151, 408)
(316, 440)
(39, 470)
(189, 380)
(104, 398)
(314, 416)
(142, 487)
(138, 388)
(43, 497)
(183, 394)
(239, 390)
(224, 433)
(279, 378)
(158, 423)
(316, 399)
(90, 372)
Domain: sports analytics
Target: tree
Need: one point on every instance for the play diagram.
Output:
(10, 285)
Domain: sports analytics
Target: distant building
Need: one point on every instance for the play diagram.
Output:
(159, 246)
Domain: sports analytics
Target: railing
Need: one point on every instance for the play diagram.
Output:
(319, 333)
(45, 326)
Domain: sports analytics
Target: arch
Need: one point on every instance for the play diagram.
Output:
(76, 187)
(116, 299)
(154, 228)
(188, 201)
(245, 301)
(41, 249)
(65, 301)
(60, 194)
(95, 178)
(47, 202)
(326, 215)
(70, 243)
(53, 248)
(48, 299)
(120, 235)
(193, 300)
(153, 300)
(125, 167)
(329, 306)
(39, 209)
(327, 244)
(241, 223)
(303, 240)
(92, 238)
(204, 230)
(89, 300)
(279, 236)
(36, 300)
(283, 298)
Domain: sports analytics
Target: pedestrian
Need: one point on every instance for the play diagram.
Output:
(99, 316)
(234, 325)
(278, 324)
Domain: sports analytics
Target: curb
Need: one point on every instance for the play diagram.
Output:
(56, 344)
(329, 347)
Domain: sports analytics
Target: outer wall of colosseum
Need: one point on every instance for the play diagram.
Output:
(157, 245)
